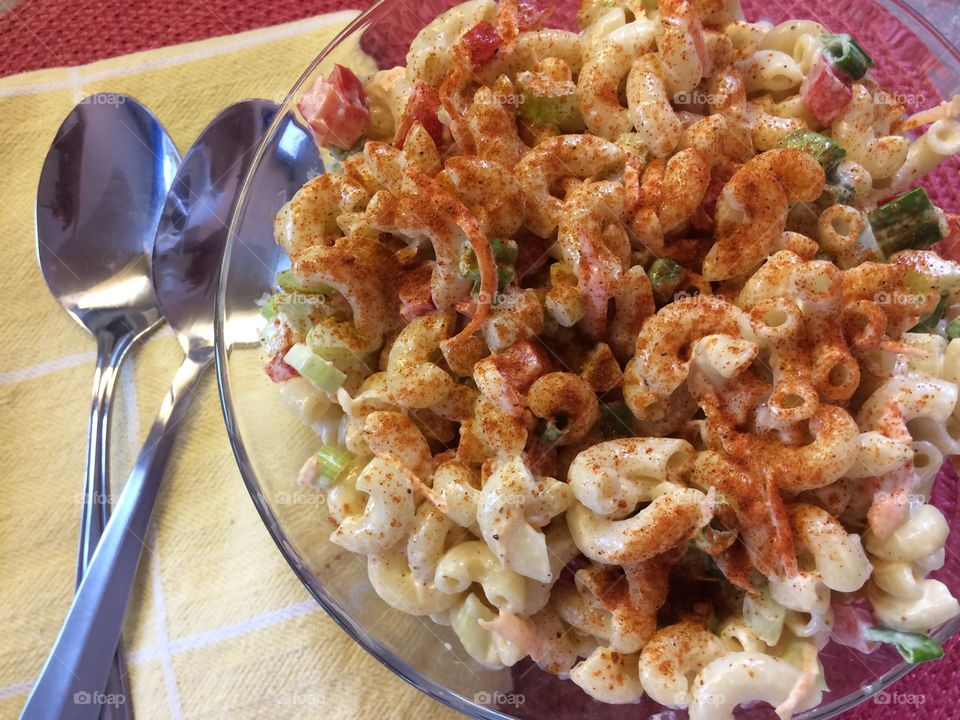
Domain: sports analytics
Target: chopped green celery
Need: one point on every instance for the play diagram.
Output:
(505, 253)
(505, 276)
(329, 340)
(324, 375)
(909, 222)
(914, 647)
(953, 329)
(931, 322)
(827, 151)
(269, 307)
(545, 100)
(331, 462)
(844, 52)
(665, 277)
(298, 313)
(615, 420)
(632, 144)
(288, 282)
(765, 615)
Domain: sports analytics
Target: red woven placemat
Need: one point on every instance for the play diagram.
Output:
(49, 33)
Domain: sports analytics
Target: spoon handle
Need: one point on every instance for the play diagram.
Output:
(72, 680)
(96, 508)
(111, 350)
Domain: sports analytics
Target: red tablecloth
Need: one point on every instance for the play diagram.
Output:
(50, 33)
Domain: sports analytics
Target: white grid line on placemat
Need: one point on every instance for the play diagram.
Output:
(14, 690)
(129, 382)
(164, 654)
(32, 372)
(200, 640)
(227, 632)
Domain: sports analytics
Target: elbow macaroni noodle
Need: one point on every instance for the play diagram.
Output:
(600, 328)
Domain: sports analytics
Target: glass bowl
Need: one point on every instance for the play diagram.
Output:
(270, 443)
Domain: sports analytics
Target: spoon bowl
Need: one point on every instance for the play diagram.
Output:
(195, 219)
(101, 191)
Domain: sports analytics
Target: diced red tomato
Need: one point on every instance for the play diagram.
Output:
(277, 370)
(336, 109)
(533, 14)
(849, 627)
(414, 292)
(522, 363)
(949, 247)
(422, 106)
(702, 218)
(825, 92)
(482, 42)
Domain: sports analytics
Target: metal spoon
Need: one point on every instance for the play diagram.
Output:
(186, 265)
(101, 190)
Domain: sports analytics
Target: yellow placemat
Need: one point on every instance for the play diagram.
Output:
(219, 627)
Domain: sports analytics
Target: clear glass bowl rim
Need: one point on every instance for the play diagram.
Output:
(910, 17)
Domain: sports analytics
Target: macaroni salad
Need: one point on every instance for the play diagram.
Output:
(626, 348)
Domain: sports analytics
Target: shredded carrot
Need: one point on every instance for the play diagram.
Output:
(805, 683)
(900, 348)
(518, 630)
(449, 91)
